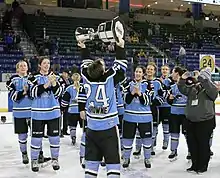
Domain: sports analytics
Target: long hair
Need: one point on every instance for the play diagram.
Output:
(76, 79)
(18, 63)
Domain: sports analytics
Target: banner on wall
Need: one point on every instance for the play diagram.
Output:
(207, 61)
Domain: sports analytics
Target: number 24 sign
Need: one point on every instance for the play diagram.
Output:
(207, 61)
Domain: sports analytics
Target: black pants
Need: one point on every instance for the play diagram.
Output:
(177, 122)
(65, 121)
(73, 120)
(101, 144)
(198, 135)
(37, 127)
(129, 129)
(164, 115)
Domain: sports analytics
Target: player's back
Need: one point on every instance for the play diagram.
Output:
(101, 107)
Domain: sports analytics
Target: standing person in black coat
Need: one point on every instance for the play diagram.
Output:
(200, 113)
(65, 81)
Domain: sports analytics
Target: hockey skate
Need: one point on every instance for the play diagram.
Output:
(137, 153)
(191, 169)
(55, 164)
(126, 163)
(34, 166)
(188, 157)
(61, 134)
(73, 140)
(165, 145)
(82, 162)
(152, 151)
(147, 163)
(25, 159)
(42, 159)
(173, 156)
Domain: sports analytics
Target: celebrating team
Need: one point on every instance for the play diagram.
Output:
(103, 101)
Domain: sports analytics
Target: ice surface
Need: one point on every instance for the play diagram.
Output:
(11, 167)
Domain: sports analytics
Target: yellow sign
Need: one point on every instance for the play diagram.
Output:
(9, 1)
(207, 61)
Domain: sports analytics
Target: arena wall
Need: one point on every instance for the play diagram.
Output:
(106, 14)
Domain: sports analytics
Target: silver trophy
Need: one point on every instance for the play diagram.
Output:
(109, 31)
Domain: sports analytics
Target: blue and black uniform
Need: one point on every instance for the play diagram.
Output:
(70, 100)
(178, 117)
(102, 115)
(138, 115)
(45, 111)
(21, 107)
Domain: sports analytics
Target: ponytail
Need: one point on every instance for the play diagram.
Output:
(76, 79)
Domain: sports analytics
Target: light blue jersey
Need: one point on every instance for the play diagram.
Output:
(166, 82)
(119, 99)
(137, 108)
(179, 103)
(70, 98)
(101, 106)
(45, 105)
(21, 101)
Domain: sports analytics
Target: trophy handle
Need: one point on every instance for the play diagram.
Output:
(118, 28)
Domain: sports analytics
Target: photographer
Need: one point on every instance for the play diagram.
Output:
(200, 113)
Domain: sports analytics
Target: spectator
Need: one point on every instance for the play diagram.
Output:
(200, 42)
(34, 64)
(56, 63)
(201, 95)
(157, 29)
(195, 40)
(16, 40)
(111, 47)
(182, 55)
(135, 39)
(211, 16)
(188, 13)
(171, 41)
(127, 38)
(142, 54)
(9, 42)
(103, 47)
(42, 13)
(150, 31)
(14, 4)
(188, 41)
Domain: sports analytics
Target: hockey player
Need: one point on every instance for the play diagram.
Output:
(164, 109)
(82, 107)
(101, 111)
(137, 115)
(178, 118)
(45, 91)
(157, 100)
(70, 98)
(20, 95)
(120, 107)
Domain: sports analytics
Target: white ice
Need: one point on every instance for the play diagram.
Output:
(11, 167)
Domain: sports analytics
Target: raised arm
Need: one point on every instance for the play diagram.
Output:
(85, 56)
(120, 63)
(210, 88)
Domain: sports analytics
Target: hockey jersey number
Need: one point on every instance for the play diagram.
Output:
(100, 94)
